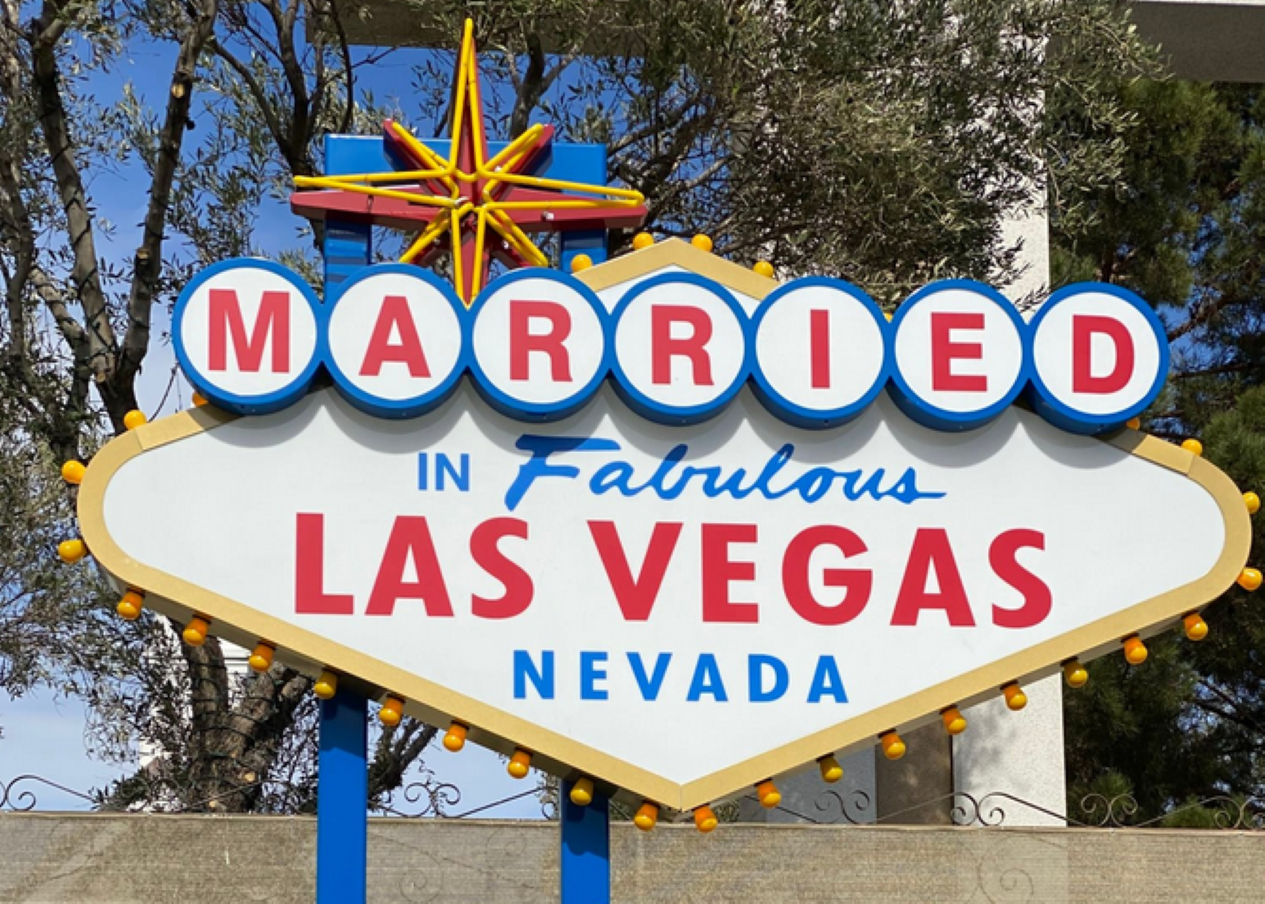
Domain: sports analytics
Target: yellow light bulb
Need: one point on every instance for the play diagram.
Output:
(198, 400)
(893, 746)
(581, 262)
(1249, 579)
(519, 764)
(455, 737)
(702, 242)
(831, 771)
(195, 632)
(1016, 699)
(392, 711)
(129, 608)
(1250, 499)
(768, 794)
(764, 268)
(582, 792)
(72, 472)
(1075, 673)
(1135, 651)
(71, 551)
(1134, 423)
(261, 659)
(954, 722)
(326, 686)
(1196, 627)
(1193, 446)
(705, 820)
(134, 419)
(642, 240)
(647, 816)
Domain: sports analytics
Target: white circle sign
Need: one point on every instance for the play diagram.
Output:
(959, 354)
(246, 334)
(394, 340)
(820, 351)
(680, 348)
(538, 343)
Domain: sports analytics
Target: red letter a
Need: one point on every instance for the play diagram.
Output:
(394, 315)
(932, 549)
(410, 537)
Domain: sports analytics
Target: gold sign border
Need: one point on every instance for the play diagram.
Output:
(562, 755)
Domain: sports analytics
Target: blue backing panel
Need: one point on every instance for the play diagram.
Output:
(342, 801)
(346, 251)
(586, 850)
(348, 246)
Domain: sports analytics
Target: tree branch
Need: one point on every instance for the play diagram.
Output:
(43, 38)
(148, 260)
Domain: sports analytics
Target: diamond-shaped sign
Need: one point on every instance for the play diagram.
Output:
(679, 612)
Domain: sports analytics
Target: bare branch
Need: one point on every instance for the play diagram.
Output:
(74, 200)
(147, 264)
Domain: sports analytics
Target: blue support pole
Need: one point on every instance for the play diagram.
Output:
(585, 867)
(342, 791)
(586, 850)
(342, 794)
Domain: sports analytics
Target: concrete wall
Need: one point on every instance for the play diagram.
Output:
(121, 859)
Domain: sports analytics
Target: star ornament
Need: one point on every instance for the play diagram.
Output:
(471, 206)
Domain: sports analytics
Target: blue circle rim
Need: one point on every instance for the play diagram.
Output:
(958, 418)
(798, 415)
(397, 408)
(670, 414)
(1161, 339)
(231, 401)
(540, 411)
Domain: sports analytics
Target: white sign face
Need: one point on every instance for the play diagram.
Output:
(657, 527)
(681, 612)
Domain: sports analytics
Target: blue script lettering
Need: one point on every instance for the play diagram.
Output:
(671, 478)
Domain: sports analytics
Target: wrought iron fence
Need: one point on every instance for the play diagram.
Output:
(991, 810)
(19, 795)
(429, 798)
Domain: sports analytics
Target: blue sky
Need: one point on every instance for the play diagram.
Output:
(44, 735)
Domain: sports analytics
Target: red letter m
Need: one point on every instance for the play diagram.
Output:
(273, 320)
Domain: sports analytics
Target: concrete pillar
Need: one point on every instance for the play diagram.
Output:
(918, 788)
(1018, 754)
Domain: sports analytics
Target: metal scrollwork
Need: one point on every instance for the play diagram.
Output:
(1108, 812)
(852, 807)
(24, 800)
(1242, 814)
(434, 798)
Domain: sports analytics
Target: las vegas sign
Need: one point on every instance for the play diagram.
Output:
(665, 523)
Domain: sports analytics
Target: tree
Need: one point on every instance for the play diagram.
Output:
(878, 141)
(1183, 229)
